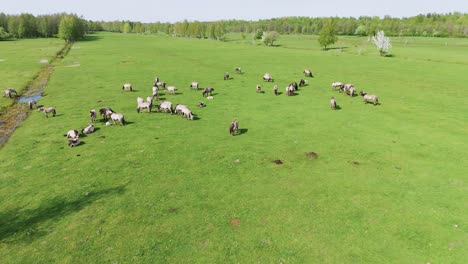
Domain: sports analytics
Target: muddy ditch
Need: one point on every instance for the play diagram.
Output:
(12, 116)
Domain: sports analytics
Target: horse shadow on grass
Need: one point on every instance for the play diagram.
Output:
(242, 131)
(337, 107)
(18, 225)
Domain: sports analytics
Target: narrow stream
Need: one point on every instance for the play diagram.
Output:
(15, 114)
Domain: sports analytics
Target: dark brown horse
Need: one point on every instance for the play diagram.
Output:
(207, 91)
(234, 127)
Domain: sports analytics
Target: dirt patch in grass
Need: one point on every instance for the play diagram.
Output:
(235, 222)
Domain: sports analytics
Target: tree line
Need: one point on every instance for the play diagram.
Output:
(74, 27)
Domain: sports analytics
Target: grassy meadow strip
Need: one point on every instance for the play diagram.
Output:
(388, 185)
(20, 61)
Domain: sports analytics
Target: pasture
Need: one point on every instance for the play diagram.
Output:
(388, 186)
(20, 62)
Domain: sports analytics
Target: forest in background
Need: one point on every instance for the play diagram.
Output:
(428, 25)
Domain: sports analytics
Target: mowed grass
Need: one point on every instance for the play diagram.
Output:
(20, 61)
(389, 184)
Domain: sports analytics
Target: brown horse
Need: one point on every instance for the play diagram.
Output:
(234, 127)
(226, 76)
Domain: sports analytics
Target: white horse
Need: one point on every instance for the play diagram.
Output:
(155, 92)
(165, 106)
(88, 130)
(267, 77)
(290, 90)
(307, 73)
(187, 113)
(47, 111)
(336, 85)
(194, 85)
(10, 92)
(369, 98)
(144, 105)
(171, 89)
(333, 103)
(31, 103)
(127, 87)
(346, 87)
(72, 134)
(117, 117)
(74, 142)
(178, 109)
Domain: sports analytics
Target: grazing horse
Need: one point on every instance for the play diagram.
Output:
(267, 77)
(47, 111)
(178, 109)
(346, 87)
(302, 82)
(333, 103)
(9, 92)
(290, 90)
(31, 103)
(165, 106)
(105, 113)
(275, 89)
(160, 84)
(92, 114)
(258, 88)
(171, 89)
(144, 105)
(194, 85)
(201, 104)
(74, 142)
(207, 91)
(351, 91)
(117, 117)
(294, 85)
(155, 92)
(369, 98)
(336, 85)
(238, 70)
(307, 73)
(234, 127)
(88, 130)
(127, 87)
(72, 134)
(187, 113)
(226, 76)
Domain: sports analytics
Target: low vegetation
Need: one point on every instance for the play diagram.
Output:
(297, 183)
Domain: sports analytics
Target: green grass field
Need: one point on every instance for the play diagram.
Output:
(389, 184)
(21, 60)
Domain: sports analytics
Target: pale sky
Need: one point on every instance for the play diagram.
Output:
(210, 10)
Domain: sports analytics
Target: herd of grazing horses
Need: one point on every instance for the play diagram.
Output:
(166, 106)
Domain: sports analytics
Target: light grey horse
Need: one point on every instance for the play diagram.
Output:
(72, 134)
(333, 103)
(307, 73)
(10, 92)
(88, 130)
(369, 98)
(117, 117)
(127, 87)
(47, 111)
(267, 77)
(194, 85)
(165, 106)
(144, 105)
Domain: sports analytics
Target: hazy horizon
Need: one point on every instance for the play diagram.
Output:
(203, 10)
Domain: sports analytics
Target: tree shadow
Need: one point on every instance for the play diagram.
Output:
(337, 48)
(18, 225)
(90, 37)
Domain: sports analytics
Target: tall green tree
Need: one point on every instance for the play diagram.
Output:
(71, 28)
(327, 35)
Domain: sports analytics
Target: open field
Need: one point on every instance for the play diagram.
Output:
(20, 61)
(389, 184)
